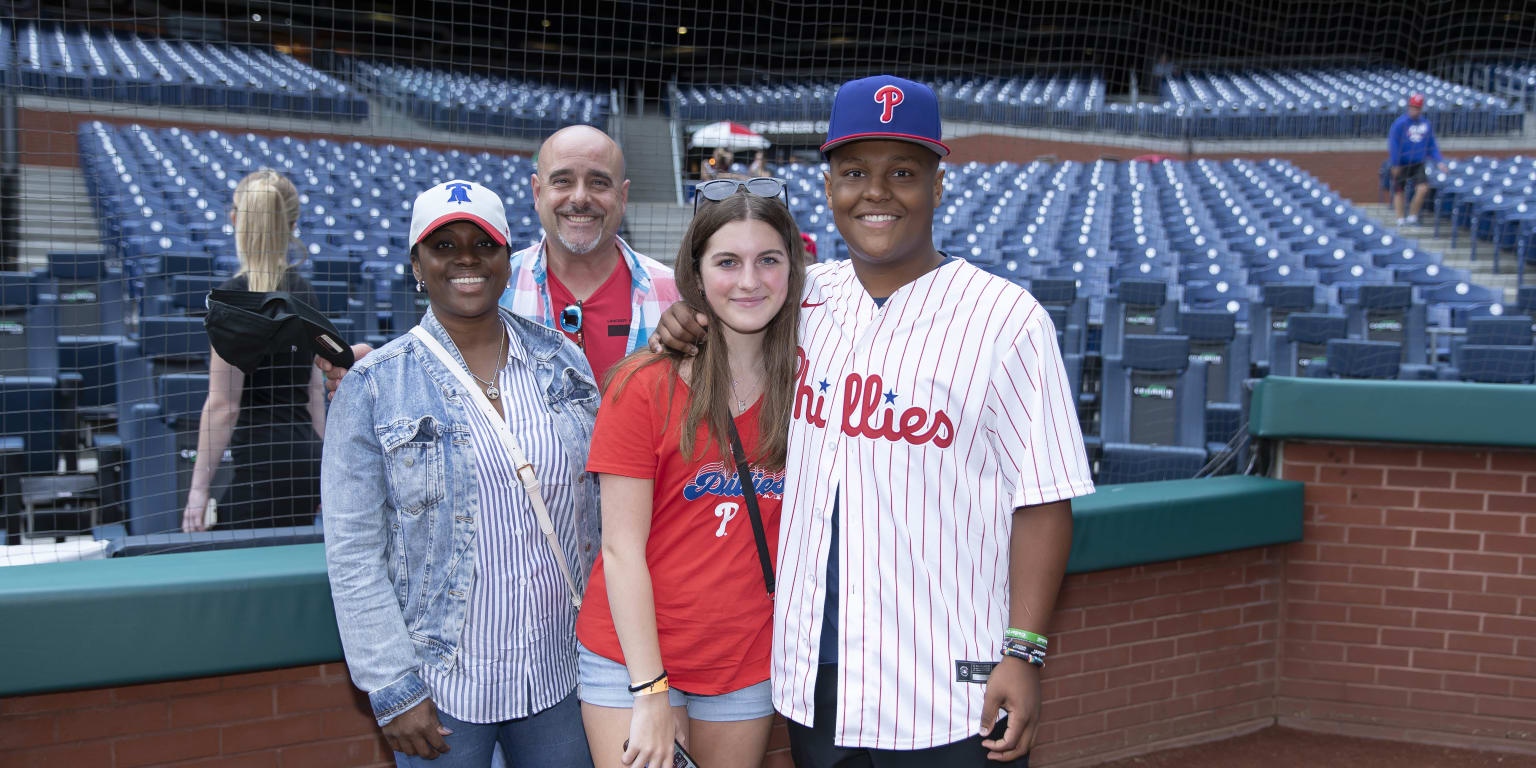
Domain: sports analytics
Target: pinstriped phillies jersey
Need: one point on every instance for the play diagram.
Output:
(933, 417)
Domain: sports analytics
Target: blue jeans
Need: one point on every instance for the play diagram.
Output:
(552, 738)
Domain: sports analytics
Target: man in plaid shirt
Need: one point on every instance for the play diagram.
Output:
(581, 278)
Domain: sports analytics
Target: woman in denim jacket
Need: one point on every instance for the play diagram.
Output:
(454, 588)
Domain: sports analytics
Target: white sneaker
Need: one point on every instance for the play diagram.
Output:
(1401, 222)
(1413, 220)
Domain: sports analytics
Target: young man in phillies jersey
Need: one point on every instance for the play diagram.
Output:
(933, 452)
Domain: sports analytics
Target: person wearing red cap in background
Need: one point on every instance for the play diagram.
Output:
(1410, 142)
(808, 248)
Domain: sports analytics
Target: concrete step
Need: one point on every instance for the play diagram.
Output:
(1458, 255)
(56, 214)
(648, 143)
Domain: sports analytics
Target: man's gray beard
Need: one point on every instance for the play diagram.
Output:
(576, 249)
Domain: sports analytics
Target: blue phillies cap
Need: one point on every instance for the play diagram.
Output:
(885, 107)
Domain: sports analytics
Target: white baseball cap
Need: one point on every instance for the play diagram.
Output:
(459, 200)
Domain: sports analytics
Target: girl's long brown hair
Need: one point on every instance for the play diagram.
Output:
(709, 380)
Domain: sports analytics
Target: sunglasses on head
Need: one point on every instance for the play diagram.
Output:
(720, 189)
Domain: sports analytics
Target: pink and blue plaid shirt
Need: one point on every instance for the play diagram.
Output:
(652, 290)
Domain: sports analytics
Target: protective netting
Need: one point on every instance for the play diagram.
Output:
(1199, 193)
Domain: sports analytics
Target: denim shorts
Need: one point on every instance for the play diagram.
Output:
(605, 683)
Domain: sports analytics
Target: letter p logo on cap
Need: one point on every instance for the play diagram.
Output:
(889, 97)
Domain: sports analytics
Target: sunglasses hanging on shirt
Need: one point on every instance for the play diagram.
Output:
(570, 322)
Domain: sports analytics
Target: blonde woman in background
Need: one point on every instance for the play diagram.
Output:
(274, 418)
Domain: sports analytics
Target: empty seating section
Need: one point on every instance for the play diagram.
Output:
(162, 197)
(1303, 103)
(1244, 267)
(1066, 100)
(1252, 103)
(1494, 199)
(1514, 80)
(479, 104)
(1171, 285)
(122, 66)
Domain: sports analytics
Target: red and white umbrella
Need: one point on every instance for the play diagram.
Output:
(729, 135)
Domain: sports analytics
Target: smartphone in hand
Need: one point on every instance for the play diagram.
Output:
(680, 756)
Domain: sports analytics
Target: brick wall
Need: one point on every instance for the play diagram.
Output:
(288, 718)
(1160, 654)
(1410, 605)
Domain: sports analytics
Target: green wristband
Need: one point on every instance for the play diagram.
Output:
(1026, 636)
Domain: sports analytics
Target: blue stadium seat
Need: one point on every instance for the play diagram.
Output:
(29, 411)
(1068, 311)
(1154, 394)
(90, 293)
(1277, 305)
(1137, 307)
(29, 325)
(1497, 364)
(189, 294)
(94, 359)
(1302, 348)
(1215, 341)
(1356, 359)
(1389, 313)
(161, 452)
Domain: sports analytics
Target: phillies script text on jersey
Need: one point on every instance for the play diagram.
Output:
(718, 480)
(864, 415)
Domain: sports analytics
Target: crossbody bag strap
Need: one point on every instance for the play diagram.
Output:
(749, 494)
(525, 473)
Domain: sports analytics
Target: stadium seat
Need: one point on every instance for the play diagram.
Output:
(1137, 307)
(1154, 394)
(1215, 341)
(1357, 359)
(29, 412)
(29, 325)
(1277, 305)
(1497, 364)
(90, 293)
(1068, 311)
(1302, 348)
(161, 452)
(1389, 313)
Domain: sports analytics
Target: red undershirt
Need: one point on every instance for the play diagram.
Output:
(605, 315)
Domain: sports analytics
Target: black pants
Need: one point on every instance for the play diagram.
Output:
(813, 747)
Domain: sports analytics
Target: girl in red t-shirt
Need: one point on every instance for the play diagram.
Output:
(677, 622)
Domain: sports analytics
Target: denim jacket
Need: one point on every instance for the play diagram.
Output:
(399, 495)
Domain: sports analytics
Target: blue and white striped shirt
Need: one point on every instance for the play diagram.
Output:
(517, 654)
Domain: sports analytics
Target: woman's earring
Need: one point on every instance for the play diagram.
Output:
(420, 285)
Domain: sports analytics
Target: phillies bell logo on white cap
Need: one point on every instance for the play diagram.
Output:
(459, 200)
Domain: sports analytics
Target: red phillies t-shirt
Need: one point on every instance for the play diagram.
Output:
(713, 615)
(604, 333)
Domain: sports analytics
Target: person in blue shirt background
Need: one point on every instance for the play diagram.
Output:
(1410, 142)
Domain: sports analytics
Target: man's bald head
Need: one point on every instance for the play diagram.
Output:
(580, 138)
(580, 191)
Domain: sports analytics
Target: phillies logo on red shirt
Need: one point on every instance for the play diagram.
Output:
(889, 96)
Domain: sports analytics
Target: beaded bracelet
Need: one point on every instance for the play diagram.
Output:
(1033, 659)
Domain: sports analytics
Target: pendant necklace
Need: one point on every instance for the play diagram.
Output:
(491, 392)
